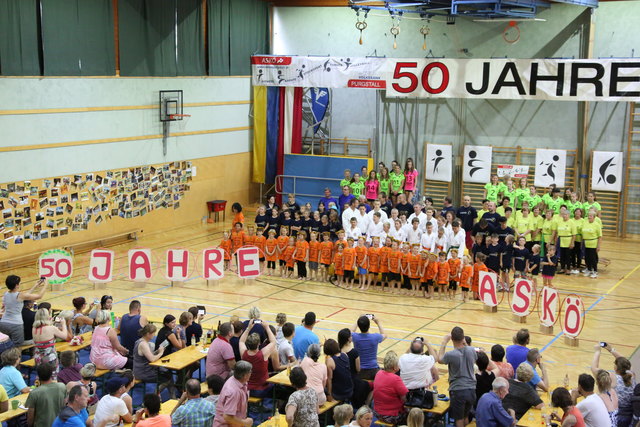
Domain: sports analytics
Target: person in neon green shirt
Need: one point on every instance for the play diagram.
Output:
(566, 230)
(532, 198)
(522, 224)
(384, 180)
(592, 236)
(573, 203)
(508, 213)
(547, 196)
(591, 203)
(536, 222)
(484, 210)
(576, 252)
(357, 186)
(521, 193)
(396, 183)
(509, 191)
(549, 227)
(492, 189)
(347, 178)
(505, 203)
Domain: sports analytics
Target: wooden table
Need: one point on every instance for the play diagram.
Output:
(279, 420)
(65, 346)
(441, 407)
(180, 360)
(22, 398)
(281, 378)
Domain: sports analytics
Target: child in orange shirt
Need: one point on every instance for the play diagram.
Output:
(424, 262)
(430, 273)
(361, 262)
(454, 273)
(384, 262)
(225, 245)
(338, 262)
(477, 268)
(237, 237)
(259, 242)
(394, 267)
(373, 256)
(413, 268)
(466, 277)
(283, 241)
(238, 216)
(301, 255)
(288, 257)
(314, 255)
(404, 264)
(271, 252)
(250, 236)
(326, 254)
(349, 263)
(443, 274)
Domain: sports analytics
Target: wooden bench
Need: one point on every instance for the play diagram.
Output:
(326, 408)
(382, 423)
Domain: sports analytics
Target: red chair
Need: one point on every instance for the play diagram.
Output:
(217, 206)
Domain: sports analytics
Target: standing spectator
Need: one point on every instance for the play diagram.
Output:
(462, 381)
(46, 401)
(106, 351)
(571, 417)
(11, 323)
(231, 409)
(28, 317)
(592, 407)
(361, 388)
(608, 395)
(305, 336)
(484, 377)
(10, 377)
(44, 337)
(254, 314)
(194, 330)
(366, 344)
(238, 329)
(517, 352)
(534, 358)
(490, 410)
(302, 406)
(328, 198)
(417, 367)
(521, 396)
(192, 410)
(389, 392)
(130, 324)
(259, 359)
(497, 366)
(70, 367)
(316, 372)
(75, 413)
(149, 414)
(111, 408)
(410, 179)
(447, 206)
(220, 357)
(339, 379)
(345, 198)
(468, 216)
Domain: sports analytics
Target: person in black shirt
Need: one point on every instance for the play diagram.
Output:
(291, 203)
(324, 224)
(403, 206)
(467, 215)
(447, 206)
(285, 218)
(506, 261)
(479, 247)
(315, 222)
(492, 217)
(273, 221)
(520, 257)
(334, 224)
(493, 254)
(194, 330)
(28, 317)
(503, 231)
(549, 264)
(262, 219)
(482, 228)
(271, 204)
(296, 223)
(484, 377)
(385, 204)
(306, 222)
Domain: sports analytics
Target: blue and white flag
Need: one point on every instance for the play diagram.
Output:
(319, 105)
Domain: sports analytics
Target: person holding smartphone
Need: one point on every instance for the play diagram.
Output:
(11, 323)
(367, 345)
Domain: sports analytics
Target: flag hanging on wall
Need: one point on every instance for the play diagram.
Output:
(607, 171)
(477, 163)
(277, 130)
(551, 167)
(319, 104)
(439, 162)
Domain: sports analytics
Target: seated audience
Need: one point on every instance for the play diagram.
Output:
(111, 408)
(367, 345)
(214, 387)
(364, 417)
(130, 324)
(571, 416)
(608, 395)
(47, 400)
(106, 351)
(106, 303)
(521, 395)
(339, 380)
(342, 415)
(167, 333)
(10, 377)
(149, 414)
(389, 392)
(220, 357)
(238, 329)
(497, 365)
(593, 409)
(75, 413)
(302, 406)
(70, 367)
(490, 411)
(484, 378)
(285, 349)
(87, 373)
(184, 321)
(534, 358)
(44, 339)
(128, 399)
(361, 388)
(316, 372)
(305, 336)
(80, 321)
(28, 317)
(249, 348)
(415, 418)
(193, 410)
(143, 355)
(194, 331)
(417, 367)
(517, 352)
(231, 409)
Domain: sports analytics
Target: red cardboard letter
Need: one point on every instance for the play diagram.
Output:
(56, 265)
(140, 259)
(248, 262)
(177, 258)
(549, 306)
(573, 317)
(101, 266)
(212, 264)
(488, 291)
(521, 300)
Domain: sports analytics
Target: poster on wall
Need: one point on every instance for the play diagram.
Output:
(607, 171)
(551, 167)
(513, 171)
(477, 163)
(439, 162)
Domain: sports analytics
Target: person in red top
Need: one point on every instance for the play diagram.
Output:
(283, 241)
(430, 273)
(389, 392)
(349, 263)
(301, 255)
(414, 270)
(361, 262)
(237, 237)
(571, 415)
(326, 254)
(466, 277)
(404, 267)
(259, 359)
(454, 273)
(394, 266)
(260, 243)
(289, 260)
(384, 262)
(477, 268)
(314, 255)
(271, 251)
(225, 245)
(443, 274)
(373, 256)
(338, 263)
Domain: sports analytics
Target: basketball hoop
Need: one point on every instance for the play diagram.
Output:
(174, 117)
(511, 33)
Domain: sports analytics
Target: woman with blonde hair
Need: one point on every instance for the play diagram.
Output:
(389, 392)
(623, 380)
(364, 417)
(44, 339)
(106, 350)
(143, 354)
(342, 415)
(415, 418)
(608, 395)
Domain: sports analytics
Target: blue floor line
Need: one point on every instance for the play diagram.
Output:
(562, 333)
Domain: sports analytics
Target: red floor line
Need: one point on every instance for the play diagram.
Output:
(336, 312)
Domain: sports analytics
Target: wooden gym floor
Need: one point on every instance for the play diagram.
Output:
(611, 301)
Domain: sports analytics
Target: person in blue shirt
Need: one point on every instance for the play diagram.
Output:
(345, 198)
(75, 413)
(305, 336)
(328, 198)
(517, 353)
(490, 412)
(534, 358)
(366, 344)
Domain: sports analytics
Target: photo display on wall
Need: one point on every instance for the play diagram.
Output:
(55, 207)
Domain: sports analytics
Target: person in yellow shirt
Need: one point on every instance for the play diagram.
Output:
(549, 227)
(4, 400)
(576, 252)
(522, 224)
(566, 230)
(591, 232)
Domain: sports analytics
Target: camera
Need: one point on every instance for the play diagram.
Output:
(370, 316)
(603, 344)
(257, 322)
